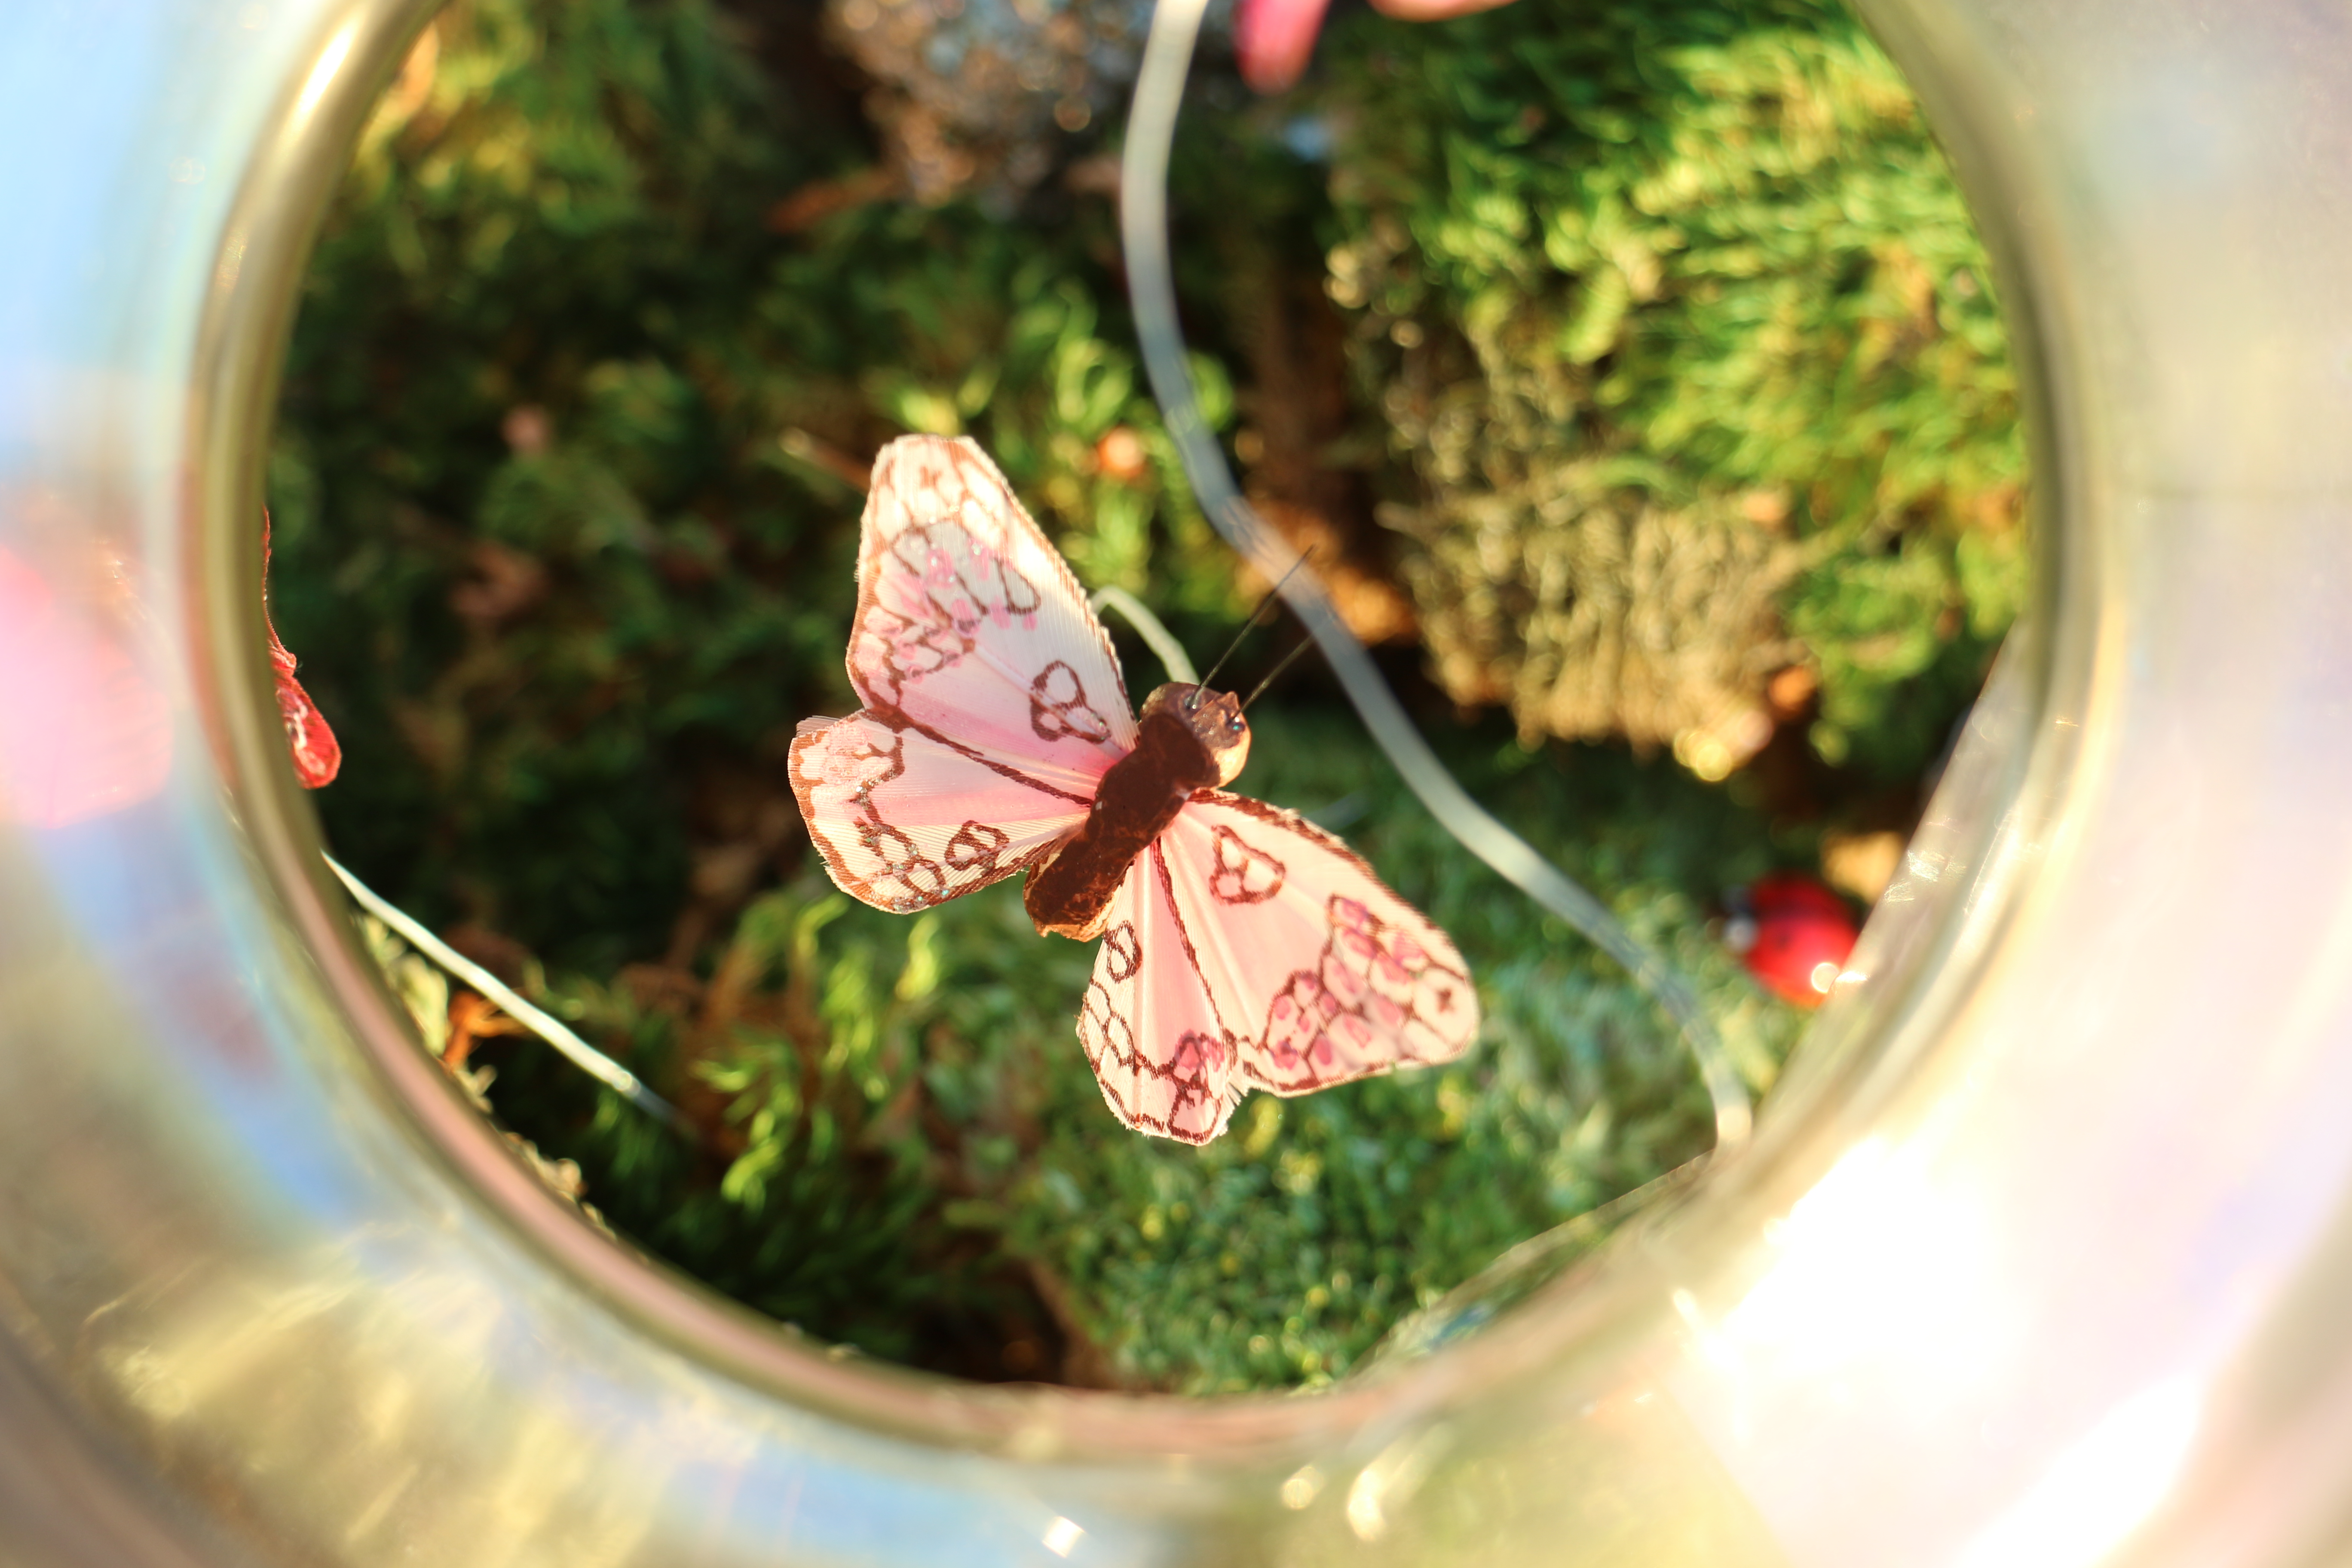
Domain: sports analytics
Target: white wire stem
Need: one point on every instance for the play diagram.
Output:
(1143, 230)
(1137, 613)
(591, 1060)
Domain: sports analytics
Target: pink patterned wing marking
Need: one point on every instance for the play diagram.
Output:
(1250, 949)
(970, 627)
(905, 821)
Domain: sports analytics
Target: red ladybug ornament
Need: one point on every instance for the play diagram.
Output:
(1794, 934)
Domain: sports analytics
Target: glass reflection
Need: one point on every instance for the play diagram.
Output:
(2096, 1492)
(85, 728)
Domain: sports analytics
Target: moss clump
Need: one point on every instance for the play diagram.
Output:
(1679, 316)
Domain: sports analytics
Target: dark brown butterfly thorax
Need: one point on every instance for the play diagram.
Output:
(1188, 738)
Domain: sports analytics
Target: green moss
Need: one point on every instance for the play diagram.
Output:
(1678, 312)
(922, 1164)
(544, 457)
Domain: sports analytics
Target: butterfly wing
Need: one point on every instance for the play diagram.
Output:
(994, 702)
(1161, 1056)
(970, 628)
(1248, 948)
(905, 821)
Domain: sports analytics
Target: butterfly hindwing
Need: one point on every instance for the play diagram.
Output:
(905, 821)
(1250, 949)
(970, 628)
(1163, 1057)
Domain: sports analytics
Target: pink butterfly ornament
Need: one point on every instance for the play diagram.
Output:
(1243, 947)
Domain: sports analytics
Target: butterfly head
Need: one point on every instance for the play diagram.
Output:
(1215, 720)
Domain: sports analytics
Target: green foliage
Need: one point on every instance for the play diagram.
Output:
(1690, 277)
(567, 221)
(1281, 1252)
(960, 325)
(920, 1156)
(544, 451)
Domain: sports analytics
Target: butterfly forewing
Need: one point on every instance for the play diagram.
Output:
(970, 627)
(1250, 949)
(993, 703)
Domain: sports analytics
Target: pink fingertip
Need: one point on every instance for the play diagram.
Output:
(1272, 40)
(1433, 10)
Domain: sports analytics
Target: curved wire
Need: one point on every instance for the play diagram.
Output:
(1143, 232)
(1156, 637)
(587, 1057)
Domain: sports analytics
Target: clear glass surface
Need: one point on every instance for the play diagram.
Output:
(2041, 1257)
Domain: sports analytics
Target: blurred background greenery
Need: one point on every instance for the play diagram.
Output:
(1632, 365)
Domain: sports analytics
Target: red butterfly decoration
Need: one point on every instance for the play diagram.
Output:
(1242, 946)
(318, 755)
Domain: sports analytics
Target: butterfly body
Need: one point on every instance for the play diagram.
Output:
(1188, 739)
(1242, 946)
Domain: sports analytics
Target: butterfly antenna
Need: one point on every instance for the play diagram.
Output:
(1255, 617)
(1288, 660)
